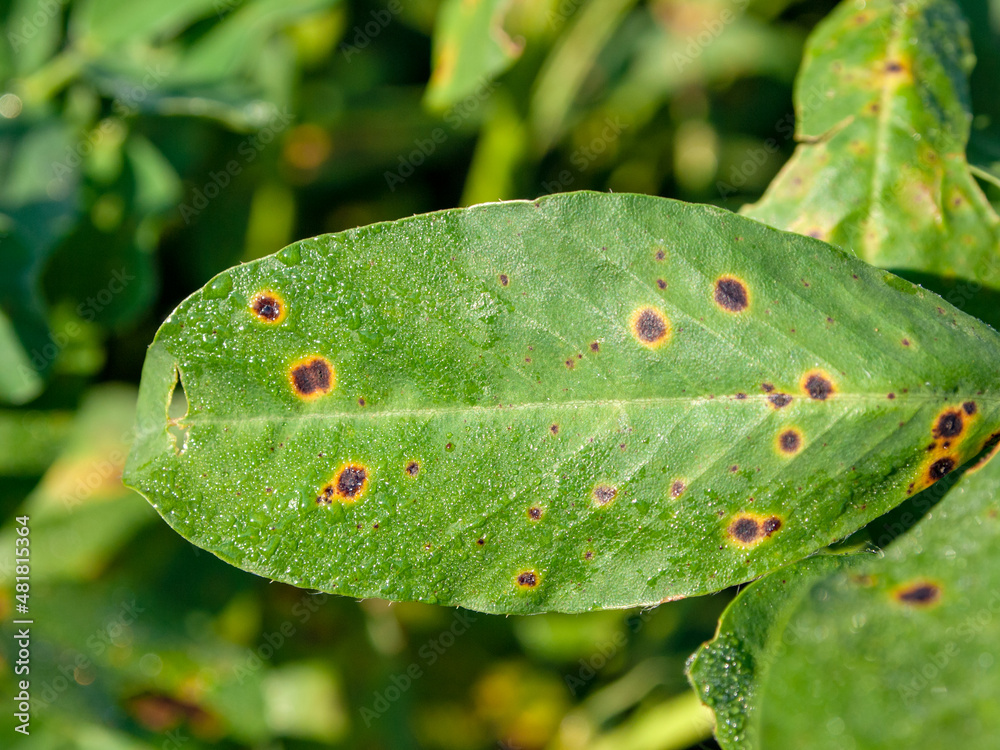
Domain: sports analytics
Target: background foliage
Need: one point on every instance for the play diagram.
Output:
(144, 147)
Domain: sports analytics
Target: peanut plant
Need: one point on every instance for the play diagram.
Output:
(598, 400)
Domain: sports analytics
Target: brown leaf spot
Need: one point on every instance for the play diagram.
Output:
(741, 396)
(660, 255)
(347, 486)
(534, 513)
(779, 400)
(818, 385)
(790, 441)
(771, 525)
(905, 342)
(766, 387)
(650, 327)
(731, 294)
(570, 364)
(890, 396)
(480, 541)
(744, 530)
(950, 424)
(604, 494)
(677, 488)
(918, 594)
(661, 283)
(527, 579)
(969, 407)
(594, 346)
(413, 468)
(749, 529)
(504, 279)
(554, 429)
(941, 468)
(311, 377)
(268, 306)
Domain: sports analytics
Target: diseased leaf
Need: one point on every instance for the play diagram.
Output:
(882, 113)
(470, 47)
(580, 402)
(898, 651)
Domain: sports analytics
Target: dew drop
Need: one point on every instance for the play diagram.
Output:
(218, 287)
(290, 256)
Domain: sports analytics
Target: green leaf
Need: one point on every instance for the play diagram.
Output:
(898, 651)
(883, 119)
(470, 47)
(728, 670)
(547, 405)
(80, 513)
(38, 208)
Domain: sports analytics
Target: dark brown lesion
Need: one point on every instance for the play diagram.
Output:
(650, 326)
(504, 279)
(747, 530)
(950, 424)
(731, 294)
(779, 400)
(818, 386)
(534, 513)
(413, 468)
(941, 468)
(527, 579)
(790, 441)
(969, 407)
(312, 377)
(268, 307)
(347, 486)
(677, 489)
(919, 594)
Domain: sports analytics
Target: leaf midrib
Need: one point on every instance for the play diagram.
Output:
(621, 404)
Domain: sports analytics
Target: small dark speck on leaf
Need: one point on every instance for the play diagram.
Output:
(676, 489)
(554, 429)
(661, 283)
(594, 346)
(969, 407)
(504, 280)
(766, 387)
(891, 396)
(413, 468)
(480, 542)
(741, 396)
(534, 513)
